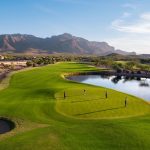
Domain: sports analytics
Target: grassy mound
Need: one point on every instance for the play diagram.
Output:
(45, 121)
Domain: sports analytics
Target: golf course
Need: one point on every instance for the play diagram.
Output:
(51, 112)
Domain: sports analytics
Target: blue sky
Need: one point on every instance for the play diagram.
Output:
(124, 24)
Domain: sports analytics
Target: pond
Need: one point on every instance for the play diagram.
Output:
(139, 87)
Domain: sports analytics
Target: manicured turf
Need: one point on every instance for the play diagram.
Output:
(47, 121)
(94, 104)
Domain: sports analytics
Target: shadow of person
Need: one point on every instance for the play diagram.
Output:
(99, 111)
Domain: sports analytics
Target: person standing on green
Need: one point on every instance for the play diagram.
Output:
(84, 92)
(125, 102)
(64, 94)
(106, 95)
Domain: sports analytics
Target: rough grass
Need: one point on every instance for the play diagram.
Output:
(45, 121)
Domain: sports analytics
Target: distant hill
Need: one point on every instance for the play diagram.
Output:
(65, 43)
(144, 56)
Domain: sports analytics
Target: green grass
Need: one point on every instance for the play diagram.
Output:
(94, 105)
(45, 121)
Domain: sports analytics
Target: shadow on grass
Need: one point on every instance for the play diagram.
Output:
(99, 111)
(62, 98)
(69, 96)
(88, 100)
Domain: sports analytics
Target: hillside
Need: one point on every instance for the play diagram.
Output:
(65, 43)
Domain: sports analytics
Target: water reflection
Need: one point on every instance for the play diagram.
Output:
(132, 85)
(116, 79)
(144, 83)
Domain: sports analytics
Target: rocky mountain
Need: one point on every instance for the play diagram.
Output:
(121, 52)
(65, 43)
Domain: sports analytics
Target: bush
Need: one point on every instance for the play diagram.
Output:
(29, 63)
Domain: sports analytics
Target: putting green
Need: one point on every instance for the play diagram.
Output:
(93, 104)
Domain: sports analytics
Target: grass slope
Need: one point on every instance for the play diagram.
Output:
(45, 121)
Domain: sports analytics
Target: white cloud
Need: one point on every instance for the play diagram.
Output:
(145, 16)
(129, 5)
(141, 25)
(139, 44)
(126, 14)
(134, 33)
(46, 9)
(84, 2)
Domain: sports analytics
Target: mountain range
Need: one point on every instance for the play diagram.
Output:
(65, 43)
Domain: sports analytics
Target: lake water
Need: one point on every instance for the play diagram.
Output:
(139, 87)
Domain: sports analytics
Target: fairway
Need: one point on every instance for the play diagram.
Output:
(82, 120)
